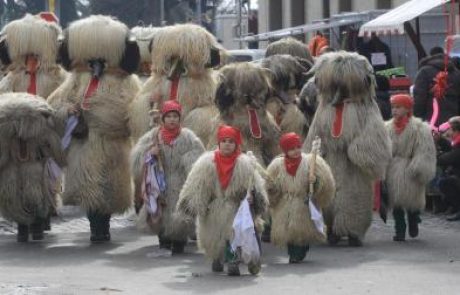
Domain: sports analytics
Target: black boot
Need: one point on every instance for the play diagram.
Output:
(413, 219)
(36, 229)
(177, 247)
(165, 243)
(400, 225)
(23, 233)
(47, 223)
(354, 241)
(217, 265)
(100, 226)
(332, 238)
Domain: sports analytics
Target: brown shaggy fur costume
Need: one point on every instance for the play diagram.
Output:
(31, 35)
(97, 175)
(29, 139)
(244, 86)
(182, 53)
(357, 148)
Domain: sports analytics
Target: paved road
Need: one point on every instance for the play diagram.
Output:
(66, 263)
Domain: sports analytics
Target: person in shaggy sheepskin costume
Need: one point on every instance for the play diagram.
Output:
(355, 142)
(293, 225)
(288, 77)
(241, 97)
(30, 147)
(29, 47)
(174, 150)
(183, 57)
(101, 55)
(219, 182)
(412, 166)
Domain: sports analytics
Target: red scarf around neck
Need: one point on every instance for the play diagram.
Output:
(400, 124)
(292, 164)
(225, 166)
(169, 135)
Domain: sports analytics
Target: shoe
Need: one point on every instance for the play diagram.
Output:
(36, 229)
(333, 239)
(414, 220)
(23, 233)
(294, 261)
(47, 223)
(454, 217)
(254, 268)
(217, 266)
(177, 247)
(399, 238)
(354, 241)
(233, 269)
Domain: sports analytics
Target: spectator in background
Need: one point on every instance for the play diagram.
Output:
(317, 43)
(449, 184)
(429, 67)
(377, 52)
(382, 93)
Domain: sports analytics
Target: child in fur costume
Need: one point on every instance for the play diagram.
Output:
(182, 60)
(412, 166)
(288, 78)
(218, 183)
(175, 149)
(29, 149)
(355, 142)
(101, 56)
(287, 188)
(29, 47)
(241, 98)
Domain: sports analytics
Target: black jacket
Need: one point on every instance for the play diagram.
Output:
(429, 67)
(450, 161)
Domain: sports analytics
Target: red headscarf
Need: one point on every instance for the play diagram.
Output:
(226, 164)
(288, 142)
(169, 135)
(407, 102)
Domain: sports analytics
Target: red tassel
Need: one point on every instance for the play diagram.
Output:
(440, 85)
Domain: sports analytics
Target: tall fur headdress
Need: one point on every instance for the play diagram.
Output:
(31, 35)
(344, 75)
(100, 37)
(289, 46)
(192, 44)
(242, 84)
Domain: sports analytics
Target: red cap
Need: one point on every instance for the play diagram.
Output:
(403, 100)
(226, 131)
(49, 17)
(290, 141)
(171, 106)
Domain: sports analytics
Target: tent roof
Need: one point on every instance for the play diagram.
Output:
(392, 22)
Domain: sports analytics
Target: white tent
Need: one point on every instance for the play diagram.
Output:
(393, 21)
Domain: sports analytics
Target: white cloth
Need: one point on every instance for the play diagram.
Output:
(316, 217)
(151, 186)
(71, 123)
(245, 234)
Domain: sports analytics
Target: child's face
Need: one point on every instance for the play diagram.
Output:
(171, 120)
(294, 153)
(398, 111)
(227, 146)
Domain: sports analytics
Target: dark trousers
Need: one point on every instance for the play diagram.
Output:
(450, 188)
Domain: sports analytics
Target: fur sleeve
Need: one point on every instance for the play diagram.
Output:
(371, 149)
(60, 99)
(423, 164)
(272, 185)
(137, 156)
(261, 202)
(7, 83)
(195, 150)
(325, 190)
(197, 191)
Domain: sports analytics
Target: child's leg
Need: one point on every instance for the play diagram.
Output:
(400, 224)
